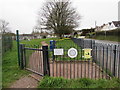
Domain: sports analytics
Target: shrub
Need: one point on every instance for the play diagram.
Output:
(44, 37)
(115, 32)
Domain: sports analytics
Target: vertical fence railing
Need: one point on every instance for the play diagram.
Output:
(114, 64)
(46, 61)
(21, 56)
(18, 46)
(107, 56)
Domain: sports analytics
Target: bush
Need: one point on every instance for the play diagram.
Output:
(115, 32)
(44, 37)
(86, 31)
(90, 35)
(112, 35)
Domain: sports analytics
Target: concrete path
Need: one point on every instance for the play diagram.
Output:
(30, 81)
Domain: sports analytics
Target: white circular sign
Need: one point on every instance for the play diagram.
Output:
(72, 53)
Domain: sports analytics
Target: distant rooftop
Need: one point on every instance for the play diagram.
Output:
(116, 23)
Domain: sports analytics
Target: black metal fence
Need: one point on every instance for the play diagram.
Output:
(77, 67)
(106, 56)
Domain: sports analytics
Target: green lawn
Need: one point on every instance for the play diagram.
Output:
(10, 69)
(66, 44)
(36, 41)
(60, 43)
(52, 82)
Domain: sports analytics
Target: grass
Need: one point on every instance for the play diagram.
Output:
(66, 44)
(110, 38)
(36, 41)
(10, 69)
(61, 43)
(54, 82)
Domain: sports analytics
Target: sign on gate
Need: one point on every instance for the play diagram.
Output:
(87, 53)
(58, 51)
(72, 53)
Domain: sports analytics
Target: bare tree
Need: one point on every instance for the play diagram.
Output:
(4, 26)
(59, 16)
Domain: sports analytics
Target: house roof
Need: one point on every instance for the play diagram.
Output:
(116, 23)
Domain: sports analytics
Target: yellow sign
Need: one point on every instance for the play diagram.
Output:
(87, 53)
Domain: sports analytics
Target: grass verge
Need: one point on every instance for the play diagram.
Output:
(10, 69)
(53, 82)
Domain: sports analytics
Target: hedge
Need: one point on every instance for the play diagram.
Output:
(115, 32)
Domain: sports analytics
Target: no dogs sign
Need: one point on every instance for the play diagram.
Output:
(72, 53)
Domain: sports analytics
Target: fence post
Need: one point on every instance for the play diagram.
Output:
(114, 67)
(46, 67)
(24, 56)
(18, 47)
(93, 49)
(21, 56)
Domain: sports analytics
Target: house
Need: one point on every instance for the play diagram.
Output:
(110, 26)
(98, 28)
(26, 36)
(114, 25)
(43, 35)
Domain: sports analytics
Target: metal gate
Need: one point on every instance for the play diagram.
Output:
(35, 59)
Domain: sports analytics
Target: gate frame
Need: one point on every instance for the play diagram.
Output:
(46, 66)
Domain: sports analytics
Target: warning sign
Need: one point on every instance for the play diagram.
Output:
(87, 53)
(58, 51)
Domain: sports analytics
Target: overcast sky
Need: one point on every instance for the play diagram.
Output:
(22, 14)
